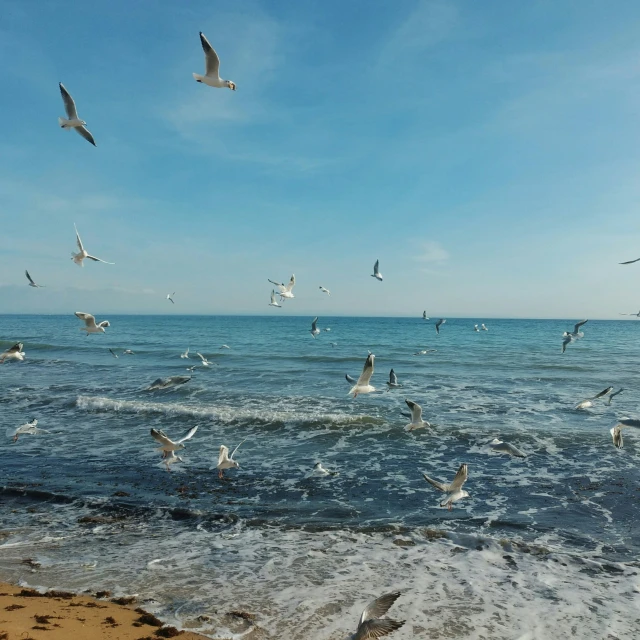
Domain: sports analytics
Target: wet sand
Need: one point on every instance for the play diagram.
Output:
(59, 615)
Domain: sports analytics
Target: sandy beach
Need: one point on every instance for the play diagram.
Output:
(58, 615)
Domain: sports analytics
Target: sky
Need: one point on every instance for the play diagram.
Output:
(487, 153)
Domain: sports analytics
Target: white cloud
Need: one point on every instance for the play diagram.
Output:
(432, 252)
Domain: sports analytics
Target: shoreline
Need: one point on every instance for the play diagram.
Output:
(60, 615)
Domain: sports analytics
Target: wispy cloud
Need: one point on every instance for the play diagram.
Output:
(432, 252)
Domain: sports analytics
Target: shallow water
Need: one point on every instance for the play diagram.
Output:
(544, 547)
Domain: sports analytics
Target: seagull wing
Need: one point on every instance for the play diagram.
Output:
(223, 455)
(630, 261)
(88, 319)
(460, 478)
(393, 378)
(436, 484)
(616, 435)
(113, 353)
(367, 371)
(291, 284)
(565, 342)
(314, 326)
(26, 273)
(201, 357)
(105, 323)
(17, 348)
(99, 260)
(416, 411)
(376, 267)
(69, 104)
(86, 134)
(576, 328)
(378, 607)
(629, 422)
(78, 239)
(604, 392)
(211, 60)
(349, 379)
(188, 435)
(278, 284)
(376, 629)
(162, 437)
(234, 451)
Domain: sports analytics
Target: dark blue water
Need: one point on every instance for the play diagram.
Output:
(86, 498)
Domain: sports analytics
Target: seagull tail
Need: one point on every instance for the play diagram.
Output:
(63, 123)
(197, 77)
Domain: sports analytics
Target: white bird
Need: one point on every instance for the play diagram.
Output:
(585, 404)
(475, 327)
(314, 327)
(128, 352)
(28, 428)
(185, 354)
(191, 368)
(637, 315)
(616, 432)
(273, 302)
(90, 323)
(371, 624)
(393, 380)
(285, 290)
(319, 471)
(424, 315)
(416, 417)
(113, 353)
(79, 258)
(376, 271)
(454, 490)
(225, 346)
(576, 333)
(505, 447)
(325, 290)
(439, 324)
(362, 385)
(31, 282)
(170, 458)
(169, 445)
(226, 461)
(211, 75)
(424, 352)
(170, 298)
(205, 362)
(73, 121)
(483, 327)
(13, 353)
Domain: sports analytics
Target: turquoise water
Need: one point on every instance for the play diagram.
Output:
(542, 545)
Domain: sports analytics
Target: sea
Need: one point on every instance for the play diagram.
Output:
(545, 547)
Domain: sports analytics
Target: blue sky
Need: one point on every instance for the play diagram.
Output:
(487, 154)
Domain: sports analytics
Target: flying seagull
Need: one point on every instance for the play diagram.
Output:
(78, 258)
(619, 391)
(205, 362)
(285, 290)
(637, 315)
(319, 471)
(362, 385)
(576, 333)
(439, 324)
(128, 352)
(376, 271)
(416, 417)
(629, 261)
(505, 447)
(483, 327)
(325, 290)
(273, 302)
(31, 282)
(616, 432)
(454, 490)
(314, 327)
(73, 121)
(169, 446)
(30, 428)
(165, 383)
(90, 323)
(371, 624)
(225, 346)
(424, 315)
(393, 380)
(424, 352)
(226, 461)
(211, 75)
(475, 327)
(185, 354)
(13, 353)
(113, 353)
(170, 297)
(585, 404)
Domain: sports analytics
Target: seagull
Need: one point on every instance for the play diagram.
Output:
(619, 391)
(616, 432)
(424, 352)
(73, 121)
(226, 461)
(566, 340)
(128, 352)
(424, 315)
(376, 271)
(416, 417)
(13, 353)
(333, 344)
(319, 471)
(637, 315)
(393, 380)
(483, 327)
(211, 75)
(165, 383)
(191, 368)
(371, 624)
(31, 282)
(205, 362)
(505, 447)
(576, 333)
(225, 346)
(455, 490)
(273, 302)
(169, 458)
(78, 258)
(325, 290)
(90, 323)
(475, 327)
(285, 290)
(185, 354)
(362, 385)
(314, 328)
(439, 323)
(113, 353)
(585, 404)
(168, 445)
(30, 428)
(629, 261)
(169, 297)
